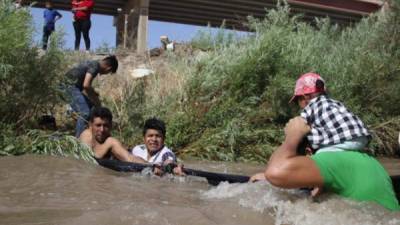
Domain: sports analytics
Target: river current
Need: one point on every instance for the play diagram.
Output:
(45, 190)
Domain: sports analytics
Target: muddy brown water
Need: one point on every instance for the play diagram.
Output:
(49, 190)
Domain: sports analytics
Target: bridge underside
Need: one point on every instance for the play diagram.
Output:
(234, 13)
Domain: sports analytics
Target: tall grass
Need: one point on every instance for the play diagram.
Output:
(232, 102)
(227, 103)
(29, 81)
(42, 143)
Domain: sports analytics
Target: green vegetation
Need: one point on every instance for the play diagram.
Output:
(232, 102)
(227, 103)
(29, 88)
(42, 143)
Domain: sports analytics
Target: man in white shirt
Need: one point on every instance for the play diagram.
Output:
(153, 150)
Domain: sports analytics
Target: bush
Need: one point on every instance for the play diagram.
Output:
(233, 102)
(42, 143)
(28, 81)
(29, 89)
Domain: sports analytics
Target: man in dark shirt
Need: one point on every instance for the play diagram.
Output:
(83, 96)
(50, 17)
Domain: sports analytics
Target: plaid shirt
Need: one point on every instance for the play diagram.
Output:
(331, 122)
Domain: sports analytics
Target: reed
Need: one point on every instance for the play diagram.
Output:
(227, 99)
(231, 101)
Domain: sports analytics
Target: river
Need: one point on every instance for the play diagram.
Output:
(45, 190)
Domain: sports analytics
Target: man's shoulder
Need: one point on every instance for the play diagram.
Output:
(112, 139)
(322, 101)
(167, 154)
(141, 148)
(92, 62)
(317, 104)
(86, 137)
(93, 65)
(166, 149)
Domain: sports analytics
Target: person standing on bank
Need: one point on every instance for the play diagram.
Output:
(50, 17)
(82, 9)
(80, 90)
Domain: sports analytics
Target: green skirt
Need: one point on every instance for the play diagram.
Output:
(357, 176)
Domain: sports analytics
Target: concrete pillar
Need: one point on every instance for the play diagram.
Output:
(126, 23)
(386, 6)
(143, 26)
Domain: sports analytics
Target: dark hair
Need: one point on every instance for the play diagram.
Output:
(302, 147)
(112, 61)
(156, 124)
(102, 112)
(320, 85)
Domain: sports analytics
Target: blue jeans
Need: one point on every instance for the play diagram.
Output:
(82, 106)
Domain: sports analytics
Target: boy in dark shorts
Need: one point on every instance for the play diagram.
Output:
(50, 16)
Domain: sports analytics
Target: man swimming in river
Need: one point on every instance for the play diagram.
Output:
(98, 137)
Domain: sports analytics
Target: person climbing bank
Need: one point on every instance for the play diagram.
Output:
(338, 137)
(80, 92)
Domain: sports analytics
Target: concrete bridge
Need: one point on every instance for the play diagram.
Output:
(131, 16)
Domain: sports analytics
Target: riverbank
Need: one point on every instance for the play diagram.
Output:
(229, 103)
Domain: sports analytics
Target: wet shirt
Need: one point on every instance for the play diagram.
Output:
(49, 18)
(159, 158)
(77, 74)
(331, 123)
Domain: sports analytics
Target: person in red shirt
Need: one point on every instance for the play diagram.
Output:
(82, 9)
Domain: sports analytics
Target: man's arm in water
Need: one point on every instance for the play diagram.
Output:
(285, 168)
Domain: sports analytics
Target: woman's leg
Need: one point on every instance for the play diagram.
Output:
(78, 29)
(86, 24)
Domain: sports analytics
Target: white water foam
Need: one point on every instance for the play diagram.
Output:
(294, 207)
